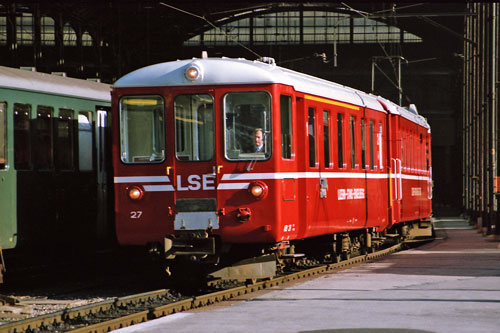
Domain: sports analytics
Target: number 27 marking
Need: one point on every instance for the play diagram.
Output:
(136, 214)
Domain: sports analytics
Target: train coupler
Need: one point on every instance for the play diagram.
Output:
(189, 243)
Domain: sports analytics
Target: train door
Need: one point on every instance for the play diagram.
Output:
(289, 184)
(104, 170)
(315, 192)
(395, 168)
(193, 167)
(8, 195)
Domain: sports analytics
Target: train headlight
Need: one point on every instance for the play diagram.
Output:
(193, 72)
(258, 190)
(135, 193)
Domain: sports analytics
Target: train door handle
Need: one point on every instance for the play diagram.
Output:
(394, 176)
(400, 178)
(323, 183)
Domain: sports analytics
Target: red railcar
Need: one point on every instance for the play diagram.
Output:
(338, 167)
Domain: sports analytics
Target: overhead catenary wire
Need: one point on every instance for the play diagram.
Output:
(233, 38)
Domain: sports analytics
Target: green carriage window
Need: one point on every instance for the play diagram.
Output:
(22, 132)
(142, 129)
(44, 139)
(85, 141)
(65, 140)
(194, 127)
(3, 136)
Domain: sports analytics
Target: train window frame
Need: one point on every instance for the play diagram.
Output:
(156, 152)
(43, 158)
(238, 139)
(85, 141)
(311, 135)
(286, 119)
(327, 151)
(363, 143)
(3, 136)
(186, 135)
(340, 140)
(64, 158)
(22, 136)
(352, 127)
(372, 145)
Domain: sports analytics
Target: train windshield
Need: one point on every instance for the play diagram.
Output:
(194, 127)
(247, 121)
(142, 129)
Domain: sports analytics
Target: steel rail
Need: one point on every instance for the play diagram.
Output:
(148, 312)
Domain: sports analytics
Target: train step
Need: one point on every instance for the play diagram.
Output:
(392, 235)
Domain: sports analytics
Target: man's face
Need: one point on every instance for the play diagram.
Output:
(258, 138)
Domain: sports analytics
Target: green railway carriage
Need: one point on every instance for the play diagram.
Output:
(53, 166)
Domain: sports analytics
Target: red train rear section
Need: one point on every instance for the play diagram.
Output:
(338, 171)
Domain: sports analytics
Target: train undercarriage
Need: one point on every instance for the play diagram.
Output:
(196, 257)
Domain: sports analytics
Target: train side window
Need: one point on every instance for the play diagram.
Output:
(85, 141)
(352, 123)
(326, 137)
(247, 125)
(194, 127)
(65, 146)
(311, 134)
(3, 136)
(44, 138)
(363, 145)
(22, 132)
(286, 126)
(372, 160)
(142, 129)
(340, 134)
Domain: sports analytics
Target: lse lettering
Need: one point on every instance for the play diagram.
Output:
(195, 182)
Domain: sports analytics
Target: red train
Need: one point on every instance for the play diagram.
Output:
(221, 160)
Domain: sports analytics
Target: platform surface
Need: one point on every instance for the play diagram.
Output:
(449, 285)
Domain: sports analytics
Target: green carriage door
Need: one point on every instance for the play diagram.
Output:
(8, 225)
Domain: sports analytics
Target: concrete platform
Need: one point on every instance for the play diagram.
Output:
(449, 285)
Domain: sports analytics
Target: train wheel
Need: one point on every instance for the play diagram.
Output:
(346, 256)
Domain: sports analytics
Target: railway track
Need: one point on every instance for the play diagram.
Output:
(125, 311)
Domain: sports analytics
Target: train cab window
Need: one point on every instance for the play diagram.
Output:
(247, 123)
(22, 142)
(352, 123)
(372, 147)
(311, 134)
(194, 127)
(340, 135)
(142, 129)
(3, 136)
(85, 141)
(44, 138)
(64, 158)
(286, 126)
(326, 138)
